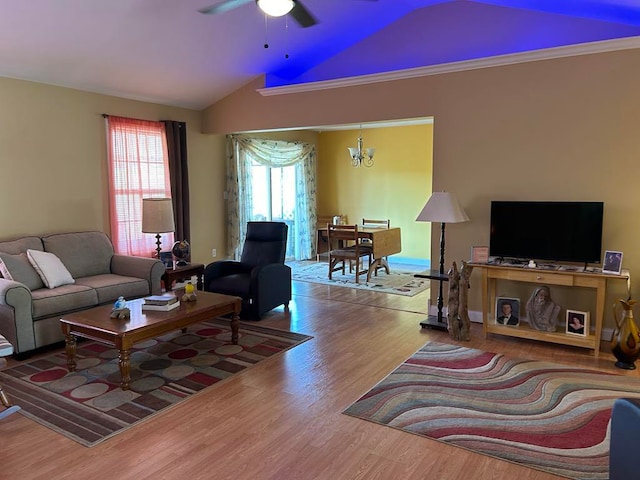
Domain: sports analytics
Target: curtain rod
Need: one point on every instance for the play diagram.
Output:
(106, 115)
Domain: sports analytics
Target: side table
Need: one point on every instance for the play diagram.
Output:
(432, 321)
(181, 272)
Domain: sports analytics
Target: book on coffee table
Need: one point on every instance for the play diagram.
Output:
(161, 300)
(161, 308)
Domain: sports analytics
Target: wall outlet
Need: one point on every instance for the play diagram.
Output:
(214, 252)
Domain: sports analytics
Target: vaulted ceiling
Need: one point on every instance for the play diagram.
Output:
(165, 51)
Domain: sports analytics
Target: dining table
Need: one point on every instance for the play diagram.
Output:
(384, 242)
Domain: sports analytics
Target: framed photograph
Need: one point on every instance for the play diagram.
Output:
(167, 259)
(612, 262)
(507, 311)
(479, 254)
(577, 323)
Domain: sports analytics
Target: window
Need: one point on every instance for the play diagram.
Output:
(138, 168)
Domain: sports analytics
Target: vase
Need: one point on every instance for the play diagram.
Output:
(625, 343)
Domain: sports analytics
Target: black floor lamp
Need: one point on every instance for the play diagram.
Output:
(444, 208)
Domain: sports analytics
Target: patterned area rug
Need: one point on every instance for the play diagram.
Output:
(545, 416)
(397, 281)
(89, 406)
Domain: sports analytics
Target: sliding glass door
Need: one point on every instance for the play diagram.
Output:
(274, 198)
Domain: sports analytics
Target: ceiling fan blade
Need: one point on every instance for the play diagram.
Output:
(224, 6)
(301, 15)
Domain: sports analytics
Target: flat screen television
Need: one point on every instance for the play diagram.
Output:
(550, 231)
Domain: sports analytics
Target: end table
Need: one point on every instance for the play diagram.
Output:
(181, 272)
(432, 321)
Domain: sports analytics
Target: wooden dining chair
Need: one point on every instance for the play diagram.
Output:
(368, 223)
(350, 249)
(322, 242)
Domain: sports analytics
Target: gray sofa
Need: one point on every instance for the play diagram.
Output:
(30, 312)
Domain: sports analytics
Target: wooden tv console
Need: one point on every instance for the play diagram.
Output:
(596, 281)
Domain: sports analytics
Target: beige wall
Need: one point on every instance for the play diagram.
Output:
(53, 157)
(549, 130)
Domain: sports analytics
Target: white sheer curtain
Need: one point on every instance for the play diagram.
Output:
(241, 152)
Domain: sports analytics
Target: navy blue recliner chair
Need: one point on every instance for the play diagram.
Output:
(623, 449)
(260, 278)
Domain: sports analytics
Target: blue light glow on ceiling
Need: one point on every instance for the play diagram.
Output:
(456, 30)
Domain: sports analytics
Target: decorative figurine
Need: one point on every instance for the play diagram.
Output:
(453, 305)
(463, 312)
(120, 309)
(458, 309)
(542, 311)
(189, 293)
(120, 303)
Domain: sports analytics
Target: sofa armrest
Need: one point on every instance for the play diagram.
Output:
(16, 321)
(150, 269)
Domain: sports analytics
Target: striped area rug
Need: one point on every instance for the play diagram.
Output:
(543, 415)
(89, 406)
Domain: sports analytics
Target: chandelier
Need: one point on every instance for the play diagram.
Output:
(275, 8)
(360, 156)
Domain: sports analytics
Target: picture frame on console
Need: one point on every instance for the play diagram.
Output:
(479, 254)
(577, 323)
(167, 259)
(612, 262)
(507, 311)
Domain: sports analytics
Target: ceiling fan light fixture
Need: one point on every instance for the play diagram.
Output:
(276, 8)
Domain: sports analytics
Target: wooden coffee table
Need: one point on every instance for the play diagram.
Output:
(95, 324)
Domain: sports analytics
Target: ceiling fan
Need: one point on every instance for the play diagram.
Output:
(274, 8)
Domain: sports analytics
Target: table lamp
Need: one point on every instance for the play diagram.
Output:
(157, 217)
(444, 208)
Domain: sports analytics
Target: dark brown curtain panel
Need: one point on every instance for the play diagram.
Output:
(179, 173)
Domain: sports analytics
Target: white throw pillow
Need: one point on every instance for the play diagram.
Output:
(50, 268)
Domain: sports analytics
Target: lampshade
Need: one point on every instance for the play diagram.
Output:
(276, 8)
(157, 215)
(442, 207)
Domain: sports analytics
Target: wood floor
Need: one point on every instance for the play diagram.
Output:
(282, 419)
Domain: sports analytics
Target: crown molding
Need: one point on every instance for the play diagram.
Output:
(499, 60)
